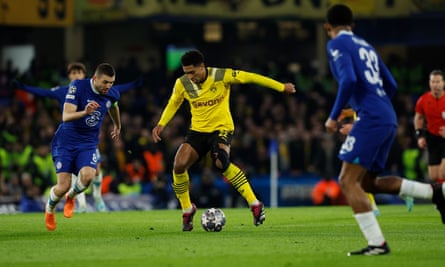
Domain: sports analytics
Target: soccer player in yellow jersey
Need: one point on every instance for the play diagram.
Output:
(207, 91)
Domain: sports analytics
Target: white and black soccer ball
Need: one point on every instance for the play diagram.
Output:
(213, 220)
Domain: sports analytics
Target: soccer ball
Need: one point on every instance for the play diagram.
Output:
(213, 220)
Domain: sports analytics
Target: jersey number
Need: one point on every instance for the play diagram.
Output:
(371, 60)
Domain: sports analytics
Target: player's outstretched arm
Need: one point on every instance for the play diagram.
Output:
(33, 90)
(122, 88)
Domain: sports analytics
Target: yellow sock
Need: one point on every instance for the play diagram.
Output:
(372, 201)
(181, 184)
(239, 181)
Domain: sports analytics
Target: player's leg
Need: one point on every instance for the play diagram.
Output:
(408, 188)
(97, 185)
(404, 187)
(97, 190)
(409, 203)
(433, 172)
(441, 178)
(373, 204)
(185, 157)
(220, 153)
(350, 182)
(56, 194)
(364, 155)
(85, 164)
(86, 175)
(81, 199)
(238, 180)
(434, 151)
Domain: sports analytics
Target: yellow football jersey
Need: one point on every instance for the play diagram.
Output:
(209, 101)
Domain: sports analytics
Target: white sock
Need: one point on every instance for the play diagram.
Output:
(73, 180)
(81, 199)
(256, 202)
(52, 201)
(77, 188)
(97, 186)
(416, 190)
(370, 228)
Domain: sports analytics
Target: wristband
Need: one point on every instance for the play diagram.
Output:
(420, 133)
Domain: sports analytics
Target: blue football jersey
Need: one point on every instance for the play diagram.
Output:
(84, 132)
(364, 81)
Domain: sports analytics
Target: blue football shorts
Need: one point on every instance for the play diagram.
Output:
(73, 159)
(368, 146)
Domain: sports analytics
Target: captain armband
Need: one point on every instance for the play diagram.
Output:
(420, 133)
(115, 104)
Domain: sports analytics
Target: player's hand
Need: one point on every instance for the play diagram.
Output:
(156, 133)
(345, 128)
(331, 125)
(91, 107)
(346, 113)
(289, 88)
(421, 142)
(116, 133)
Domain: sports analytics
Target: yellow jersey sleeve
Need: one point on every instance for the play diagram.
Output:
(242, 77)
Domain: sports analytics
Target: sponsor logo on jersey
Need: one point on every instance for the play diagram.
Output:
(208, 103)
(93, 119)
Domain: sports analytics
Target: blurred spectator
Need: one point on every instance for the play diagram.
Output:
(41, 167)
(206, 194)
(136, 171)
(6, 77)
(160, 192)
(128, 187)
(327, 192)
(10, 190)
(155, 162)
(31, 194)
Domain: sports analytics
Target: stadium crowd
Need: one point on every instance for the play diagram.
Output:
(139, 166)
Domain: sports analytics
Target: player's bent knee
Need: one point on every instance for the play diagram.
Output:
(221, 160)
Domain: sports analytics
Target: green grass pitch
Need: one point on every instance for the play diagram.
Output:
(297, 236)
